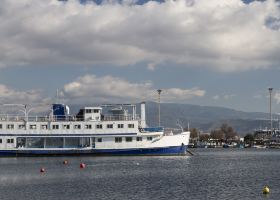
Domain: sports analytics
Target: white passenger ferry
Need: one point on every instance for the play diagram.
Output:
(91, 131)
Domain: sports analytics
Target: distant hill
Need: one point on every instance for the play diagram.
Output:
(206, 118)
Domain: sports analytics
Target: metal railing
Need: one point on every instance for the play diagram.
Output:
(18, 118)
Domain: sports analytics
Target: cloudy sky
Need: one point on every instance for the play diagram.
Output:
(215, 53)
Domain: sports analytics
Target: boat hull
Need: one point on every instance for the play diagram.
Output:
(173, 150)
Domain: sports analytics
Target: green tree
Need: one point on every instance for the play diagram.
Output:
(249, 138)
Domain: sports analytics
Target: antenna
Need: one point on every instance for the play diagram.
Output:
(179, 124)
(57, 96)
(270, 94)
(159, 92)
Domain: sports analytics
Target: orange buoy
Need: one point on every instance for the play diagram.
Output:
(82, 165)
(65, 162)
(42, 170)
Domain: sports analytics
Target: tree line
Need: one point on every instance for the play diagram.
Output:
(224, 133)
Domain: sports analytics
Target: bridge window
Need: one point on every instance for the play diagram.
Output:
(89, 111)
(139, 139)
(96, 111)
(149, 138)
(0, 140)
(128, 139)
(1, 126)
(99, 139)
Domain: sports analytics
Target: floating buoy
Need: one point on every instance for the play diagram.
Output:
(65, 162)
(82, 165)
(42, 170)
(265, 190)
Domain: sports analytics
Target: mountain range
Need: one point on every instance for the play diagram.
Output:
(206, 118)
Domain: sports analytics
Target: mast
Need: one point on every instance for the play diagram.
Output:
(159, 92)
(270, 113)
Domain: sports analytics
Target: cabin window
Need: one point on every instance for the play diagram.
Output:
(99, 126)
(55, 126)
(44, 127)
(120, 125)
(139, 139)
(99, 139)
(118, 139)
(21, 126)
(88, 126)
(54, 142)
(32, 126)
(109, 125)
(77, 126)
(10, 126)
(66, 126)
(10, 141)
(0, 140)
(128, 139)
(88, 111)
(72, 142)
(1, 126)
(34, 142)
(149, 138)
(130, 125)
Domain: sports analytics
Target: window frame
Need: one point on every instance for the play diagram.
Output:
(128, 139)
(120, 125)
(118, 139)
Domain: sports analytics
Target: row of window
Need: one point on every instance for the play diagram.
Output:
(66, 126)
(117, 139)
(9, 141)
(130, 139)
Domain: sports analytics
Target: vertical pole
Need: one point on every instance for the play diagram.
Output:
(270, 95)
(159, 91)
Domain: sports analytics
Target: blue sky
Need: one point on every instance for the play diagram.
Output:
(214, 53)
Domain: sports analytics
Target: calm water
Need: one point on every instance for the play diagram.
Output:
(211, 174)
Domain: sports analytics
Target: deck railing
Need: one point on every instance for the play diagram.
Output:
(17, 118)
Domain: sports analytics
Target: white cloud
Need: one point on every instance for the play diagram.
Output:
(12, 100)
(229, 96)
(224, 97)
(257, 96)
(216, 97)
(10, 95)
(91, 88)
(221, 35)
(277, 97)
